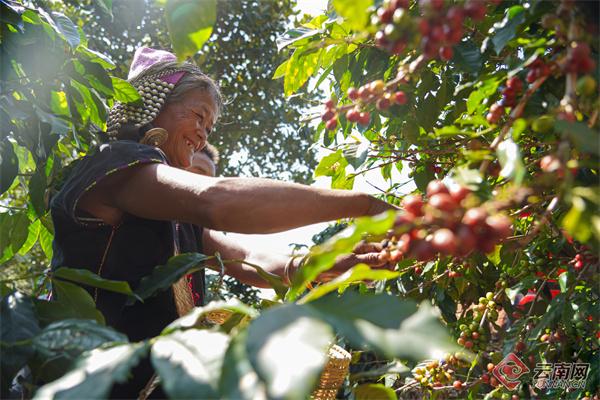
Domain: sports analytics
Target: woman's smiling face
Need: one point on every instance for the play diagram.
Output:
(189, 121)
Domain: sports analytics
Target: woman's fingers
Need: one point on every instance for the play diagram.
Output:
(366, 247)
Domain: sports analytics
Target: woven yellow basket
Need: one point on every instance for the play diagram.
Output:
(218, 316)
(333, 375)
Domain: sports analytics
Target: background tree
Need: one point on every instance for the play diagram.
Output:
(260, 132)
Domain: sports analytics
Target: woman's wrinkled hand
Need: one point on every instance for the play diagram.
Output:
(371, 254)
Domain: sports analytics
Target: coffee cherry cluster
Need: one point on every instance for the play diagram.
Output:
(439, 373)
(394, 26)
(442, 27)
(488, 304)
(443, 226)
(537, 69)
(374, 92)
(473, 337)
(579, 59)
(384, 96)
(514, 87)
(329, 116)
(582, 258)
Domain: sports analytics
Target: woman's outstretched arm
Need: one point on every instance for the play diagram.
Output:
(243, 205)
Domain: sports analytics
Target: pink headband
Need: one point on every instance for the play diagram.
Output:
(145, 57)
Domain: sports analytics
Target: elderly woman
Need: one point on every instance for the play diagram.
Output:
(131, 204)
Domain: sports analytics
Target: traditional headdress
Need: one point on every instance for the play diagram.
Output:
(153, 87)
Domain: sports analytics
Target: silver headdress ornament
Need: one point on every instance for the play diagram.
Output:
(154, 88)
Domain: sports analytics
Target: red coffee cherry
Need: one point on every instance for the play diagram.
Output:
(500, 226)
(423, 251)
(515, 84)
(459, 193)
(383, 104)
(457, 385)
(385, 15)
(353, 115)
(364, 93)
(435, 187)
(423, 25)
(455, 16)
(400, 97)
(532, 76)
(327, 115)
(413, 203)
(331, 124)
(475, 217)
(475, 9)
(466, 240)
(352, 93)
(364, 118)
(443, 202)
(446, 53)
(444, 241)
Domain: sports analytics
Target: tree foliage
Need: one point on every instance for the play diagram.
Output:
(490, 110)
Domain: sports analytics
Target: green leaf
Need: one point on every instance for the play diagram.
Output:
(196, 317)
(190, 24)
(9, 165)
(301, 66)
(105, 6)
(85, 277)
(428, 112)
(66, 28)
(519, 126)
(584, 138)
(385, 323)
(358, 273)
(163, 276)
(19, 324)
(468, 56)
(563, 281)
(323, 256)
(125, 92)
(507, 30)
(293, 331)
(95, 373)
(33, 232)
(485, 91)
(97, 57)
(98, 78)
(95, 113)
(354, 12)
(575, 222)
(46, 238)
(374, 391)
(555, 310)
(189, 362)
(280, 71)
(422, 176)
(294, 35)
(60, 344)
(511, 161)
(238, 378)
(356, 153)
(76, 301)
(19, 231)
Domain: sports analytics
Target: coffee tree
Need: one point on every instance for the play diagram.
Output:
(492, 107)
(489, 108)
